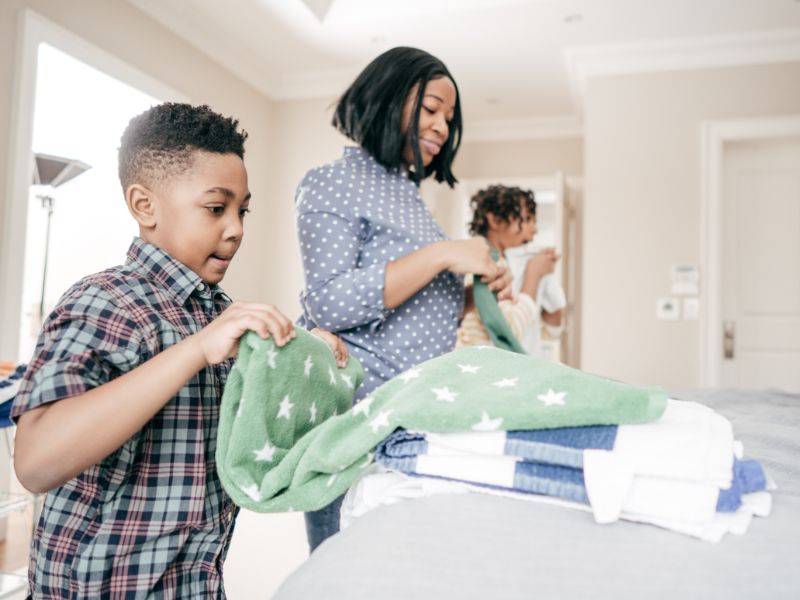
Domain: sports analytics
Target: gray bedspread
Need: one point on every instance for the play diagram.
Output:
(477, 546)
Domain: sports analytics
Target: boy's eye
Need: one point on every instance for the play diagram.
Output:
(243, 212)
(216, 210)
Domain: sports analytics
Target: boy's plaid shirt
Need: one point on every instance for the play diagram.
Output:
(152, 519)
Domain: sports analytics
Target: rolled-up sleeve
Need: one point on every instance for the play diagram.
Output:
(340, 292)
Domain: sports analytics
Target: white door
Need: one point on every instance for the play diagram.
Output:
(761, 264)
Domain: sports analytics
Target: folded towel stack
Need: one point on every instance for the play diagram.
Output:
(678, 472)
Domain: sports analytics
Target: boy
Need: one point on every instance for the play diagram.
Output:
(117, 413)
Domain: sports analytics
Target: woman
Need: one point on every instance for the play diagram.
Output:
(379, 271)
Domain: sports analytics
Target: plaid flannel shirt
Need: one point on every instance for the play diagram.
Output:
(152, 519)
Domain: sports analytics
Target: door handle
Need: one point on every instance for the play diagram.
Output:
(728, 339)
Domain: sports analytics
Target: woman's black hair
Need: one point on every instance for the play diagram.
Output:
(370, 111)
(503, 202)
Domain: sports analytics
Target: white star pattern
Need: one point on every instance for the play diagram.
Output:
(307, 366)
(332, 376)
(382, 420)
(252, 492)
(551, 397)
(368, 461)
(313, 410)
(348, 381)
(331, 479)
(363, 406)
(469, 368)
(266, 453)
(409, 375)
(487, 424)
(285, 410)
(271, 356)
(241, 405)
(504, 383)
(444, 394)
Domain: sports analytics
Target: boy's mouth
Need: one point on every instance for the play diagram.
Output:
(221, 260)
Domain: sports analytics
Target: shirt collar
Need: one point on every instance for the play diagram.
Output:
(352, 152)
(172, 274)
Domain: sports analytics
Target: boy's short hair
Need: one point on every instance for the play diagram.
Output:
(503, 202)
(370, 111)
(160, 142)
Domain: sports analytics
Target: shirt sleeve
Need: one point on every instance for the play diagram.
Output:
(339, 293)
(521, 315)
(86, 342)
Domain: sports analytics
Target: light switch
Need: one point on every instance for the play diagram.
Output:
(691, 309)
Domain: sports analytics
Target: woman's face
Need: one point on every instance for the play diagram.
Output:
(438, 106)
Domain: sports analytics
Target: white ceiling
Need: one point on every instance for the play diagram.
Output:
(514, 60)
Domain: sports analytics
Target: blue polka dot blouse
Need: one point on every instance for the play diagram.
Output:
(354, 216)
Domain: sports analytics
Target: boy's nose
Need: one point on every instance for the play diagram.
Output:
(234, 229)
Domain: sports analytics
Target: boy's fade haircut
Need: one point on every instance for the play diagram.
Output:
(370, 111)
(503, 202)
(160, 142)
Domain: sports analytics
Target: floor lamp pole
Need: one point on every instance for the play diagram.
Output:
(47, 203)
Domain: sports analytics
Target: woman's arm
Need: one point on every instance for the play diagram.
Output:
(410, 273)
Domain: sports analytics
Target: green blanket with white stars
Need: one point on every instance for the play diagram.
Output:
(288, 439)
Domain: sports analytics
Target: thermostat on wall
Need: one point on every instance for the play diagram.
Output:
(668, 309)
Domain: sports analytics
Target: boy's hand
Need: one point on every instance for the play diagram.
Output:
(220, 339)
(337, 345)
(542, 263)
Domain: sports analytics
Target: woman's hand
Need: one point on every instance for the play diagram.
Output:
(337, 345)
(470, 256)
(501, 284)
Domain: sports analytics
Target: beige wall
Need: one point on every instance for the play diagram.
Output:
(518, 158)
(642, 207)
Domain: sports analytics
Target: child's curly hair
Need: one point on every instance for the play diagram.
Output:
(503, 202)
(160, 143)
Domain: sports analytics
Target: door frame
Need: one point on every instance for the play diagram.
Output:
(715, 133)
(32, 30)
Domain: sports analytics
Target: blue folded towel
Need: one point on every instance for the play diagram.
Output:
(748, 477)
(546, 461)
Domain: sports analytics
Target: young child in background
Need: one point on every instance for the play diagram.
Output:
(117, 412)
(506, 217)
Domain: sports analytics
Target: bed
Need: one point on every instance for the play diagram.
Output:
(480, 546)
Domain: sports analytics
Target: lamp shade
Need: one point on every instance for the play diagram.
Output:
(56, 170)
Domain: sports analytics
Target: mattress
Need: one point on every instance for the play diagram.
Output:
(480, 546)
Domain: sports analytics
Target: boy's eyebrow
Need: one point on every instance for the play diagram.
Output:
(228, 193)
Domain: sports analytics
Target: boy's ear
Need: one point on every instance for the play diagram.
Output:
(494, 221)
(141, 204)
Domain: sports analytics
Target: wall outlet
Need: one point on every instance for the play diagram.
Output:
(668, 309)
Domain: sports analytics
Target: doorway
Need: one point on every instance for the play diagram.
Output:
(751, 197)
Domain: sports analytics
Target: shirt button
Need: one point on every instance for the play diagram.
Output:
(201, 287)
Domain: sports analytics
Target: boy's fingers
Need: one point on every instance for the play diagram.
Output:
(275, 327)
(287, 327)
